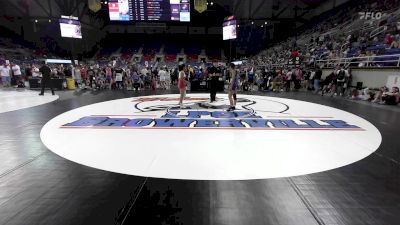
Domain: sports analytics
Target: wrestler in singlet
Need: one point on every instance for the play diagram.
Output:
(182, 84)
(234, 85)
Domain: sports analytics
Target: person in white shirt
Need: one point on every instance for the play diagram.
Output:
(71, 67)
(5, 75)
(289, 75)
(162, 76)
(144, 71)
(78, 77)
(35, 72)
(54, 72)
(16, 72)
(119, 72)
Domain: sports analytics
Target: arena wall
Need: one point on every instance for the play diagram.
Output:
(371, 77)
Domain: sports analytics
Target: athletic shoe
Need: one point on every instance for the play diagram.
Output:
(232, 108)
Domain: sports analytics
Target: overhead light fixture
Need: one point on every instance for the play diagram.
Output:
(262, 25)
(106, 2)
(36, 21)
(238, 25)
(212, 3)
(266, 23)
(49, 20)
(252, 22)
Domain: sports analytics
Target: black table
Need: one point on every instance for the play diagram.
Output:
(34, 83)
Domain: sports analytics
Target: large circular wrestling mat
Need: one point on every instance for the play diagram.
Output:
(263, 138)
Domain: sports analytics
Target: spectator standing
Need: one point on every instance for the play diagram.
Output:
(5, 73)
(144, 71)
(67, 71)
(289, 76)
(16, 72)
(333, 85)
(317, 79)
(35, 71)
(78, 77)
(162, 74)
(250, 78)
(91, 75)
(174, 76)
(311, 79)
(136, 80)
(298, 75)
(109, 73)
(28, 71)
(83, 73)
(119, 72)
(342, 75)
(167, 79)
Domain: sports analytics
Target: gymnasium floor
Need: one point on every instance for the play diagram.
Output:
(39, 187)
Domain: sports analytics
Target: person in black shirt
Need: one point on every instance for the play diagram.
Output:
(328, 83)
(46, 79)
(317, 79)
(91, 75)
(214, 74)
(68, 72)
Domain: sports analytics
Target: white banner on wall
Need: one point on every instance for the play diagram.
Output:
(58, 61)
(393, 81)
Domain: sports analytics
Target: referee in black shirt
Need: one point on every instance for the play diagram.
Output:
(46, 79)
(214, 73)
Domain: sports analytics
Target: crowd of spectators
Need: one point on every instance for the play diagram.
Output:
(329, 39)
(137, 77)
(337, 83)
(276, 68)
(113, 75)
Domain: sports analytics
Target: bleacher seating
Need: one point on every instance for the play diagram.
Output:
(170, 58)
(151, 48)
(253, 34)
(393, 51)
(106, 52)
(193, 49)
(214, 54)
(342, 34)
(128, 51)
(172, 48)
